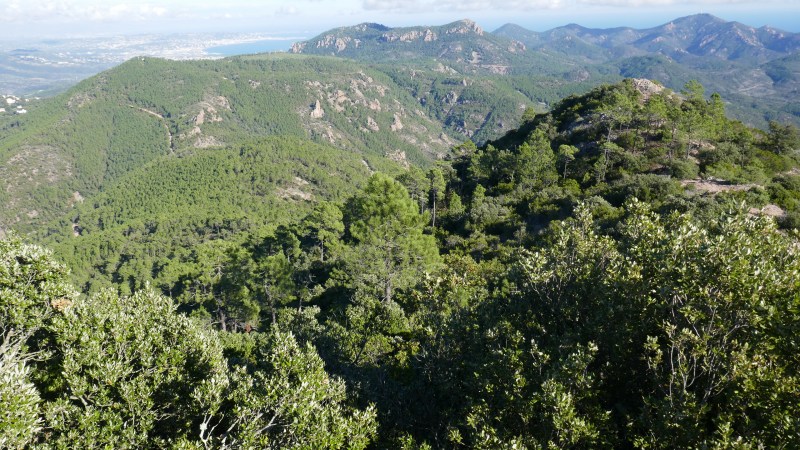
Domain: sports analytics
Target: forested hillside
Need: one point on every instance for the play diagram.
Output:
(154, 223)
(78, 144)
(619, 272)
(457, 82)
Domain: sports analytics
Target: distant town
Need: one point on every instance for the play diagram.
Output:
(11, 104)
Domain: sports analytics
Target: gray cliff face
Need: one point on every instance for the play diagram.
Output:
(341, 39)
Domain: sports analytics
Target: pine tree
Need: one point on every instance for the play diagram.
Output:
(390, 250)
(325, 226)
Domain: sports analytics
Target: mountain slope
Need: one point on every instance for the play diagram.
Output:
(584, 268)
(726, 57)
(72, 146)
(477, 83)
(150, 217)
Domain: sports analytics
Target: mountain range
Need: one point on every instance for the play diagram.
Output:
(754, 68)
(683, 39)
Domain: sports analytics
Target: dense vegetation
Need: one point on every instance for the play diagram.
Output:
(150, 224)
(148, 111)
(601, 277)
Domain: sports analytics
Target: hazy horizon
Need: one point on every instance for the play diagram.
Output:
(95, 18)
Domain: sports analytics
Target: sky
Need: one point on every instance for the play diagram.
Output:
(307, 18)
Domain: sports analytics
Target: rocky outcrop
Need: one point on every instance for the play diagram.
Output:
(646, 87)
(295, 190)
(465, 26)
(399, 157)
(410, 36)
(317, 112)
(298, 47)
(209, 110)
(397, 125)
(517, 47)
(207, 141)
(372, 125)
(769, 210)
(329, 41)
(497, 69)
(715, 186)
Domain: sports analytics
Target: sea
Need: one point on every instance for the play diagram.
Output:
(249, 48)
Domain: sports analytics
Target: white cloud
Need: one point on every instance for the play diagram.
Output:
(391, 5)
(419, 6)
(48, 17)
(70, 11)
(125, 11)
(77, 10)
(636, 3)
(287, 10)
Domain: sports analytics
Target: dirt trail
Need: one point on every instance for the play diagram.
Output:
(163, 122)
(714, 186)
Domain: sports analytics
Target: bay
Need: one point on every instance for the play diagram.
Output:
(248, 48)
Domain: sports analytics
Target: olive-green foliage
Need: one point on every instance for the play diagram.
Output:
(538, 364)
(558, 288)
(32, 285)
(20, 400)
(105, 127)
(720, 297)
(326, 227)
(621, 144)
(259, 276)
(132, 372)
(287, 400)
(671, 334)
(386, 255)
(783, 139)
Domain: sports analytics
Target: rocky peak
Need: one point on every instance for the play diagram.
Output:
(362, 27)
(646, 87)
(464, 26)
(317, 112)
(516, 47)
(425, 35)
(298, 47)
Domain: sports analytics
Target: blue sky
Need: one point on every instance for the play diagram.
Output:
(72, 18)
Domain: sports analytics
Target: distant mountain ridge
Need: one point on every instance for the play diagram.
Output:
(692, 36)
(753, 68)
(463, 43)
